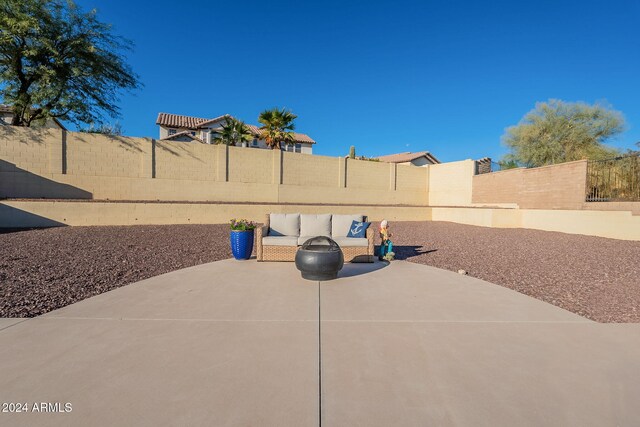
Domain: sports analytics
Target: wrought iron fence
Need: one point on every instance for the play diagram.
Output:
(614, 180)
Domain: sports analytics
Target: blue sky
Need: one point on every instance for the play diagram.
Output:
(446, 76)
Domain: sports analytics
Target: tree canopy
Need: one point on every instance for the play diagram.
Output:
(277, 127)
(113, 129)
(558, 131)
(58, 61)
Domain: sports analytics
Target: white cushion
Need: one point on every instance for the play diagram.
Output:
(280, 241)
(284, 224)
(315, 225)
(340, 224)
(351, 241)
(303, 239)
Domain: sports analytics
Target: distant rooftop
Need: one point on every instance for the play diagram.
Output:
(194, 123)
(408, 157)
(4, 109)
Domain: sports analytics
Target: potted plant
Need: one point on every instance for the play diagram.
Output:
(241, 238)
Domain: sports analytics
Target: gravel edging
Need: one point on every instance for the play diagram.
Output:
(598, 278)
(43, 270)
(595, 277)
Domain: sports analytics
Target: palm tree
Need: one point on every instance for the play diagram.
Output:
(233, 132)
(277, 127)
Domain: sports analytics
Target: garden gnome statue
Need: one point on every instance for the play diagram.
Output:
(386, 247)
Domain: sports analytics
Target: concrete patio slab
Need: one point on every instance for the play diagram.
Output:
(223, 290)
(404, 291)
(5, 322)
(480, 374)
(250, 343)
(161, 372)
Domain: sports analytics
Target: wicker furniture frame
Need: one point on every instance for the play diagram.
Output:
(288, 253)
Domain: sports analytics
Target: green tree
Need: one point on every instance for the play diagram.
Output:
(557, 131)
(369, 159)
(352, 152)
(277, 127)
(57, 61)
(114, 129)
(508, 164)
(233, 132)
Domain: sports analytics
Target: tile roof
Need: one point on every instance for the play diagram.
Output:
(183, 133)
(212, 121)
(407, 157)
(178, 121)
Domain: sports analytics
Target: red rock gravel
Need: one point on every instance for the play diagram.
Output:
(41, 270)
(594, 277)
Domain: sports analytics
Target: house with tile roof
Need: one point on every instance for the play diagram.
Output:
(420, 158)
(175, 127)
(6, 117)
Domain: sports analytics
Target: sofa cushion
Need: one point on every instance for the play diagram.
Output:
(284, 224)
(340, 224)
(315, 225)
(280, 241)
(346, 242)
(303, 239)
(358, 229)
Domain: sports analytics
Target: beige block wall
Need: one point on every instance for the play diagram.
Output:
(28, 149)
(186, 160)
(120, 168)
(550, 187)
(412, 177)
(633, 207)
(612, 224)
(59, 213)
(450, 184)
(366, 174)
(101, 155)
(251, 165)
(315, 171)
(300, 194)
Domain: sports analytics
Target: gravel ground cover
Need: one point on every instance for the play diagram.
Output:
(595, 277)
(42, 270)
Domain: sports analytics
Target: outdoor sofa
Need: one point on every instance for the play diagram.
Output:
(281, 235)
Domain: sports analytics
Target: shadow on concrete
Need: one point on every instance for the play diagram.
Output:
(360, 268)
(14, 219)
(405, 252)
(19, 183)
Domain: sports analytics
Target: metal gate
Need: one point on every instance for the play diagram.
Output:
(614, 180)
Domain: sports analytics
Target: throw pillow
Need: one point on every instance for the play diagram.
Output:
(358, 229)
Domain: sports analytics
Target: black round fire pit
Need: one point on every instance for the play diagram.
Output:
(319, 258)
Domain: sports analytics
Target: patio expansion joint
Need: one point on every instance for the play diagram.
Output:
(166, 319)
(14, 324)
(585, 321)
(319, 354)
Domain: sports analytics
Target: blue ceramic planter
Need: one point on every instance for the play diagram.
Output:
(241, 243)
